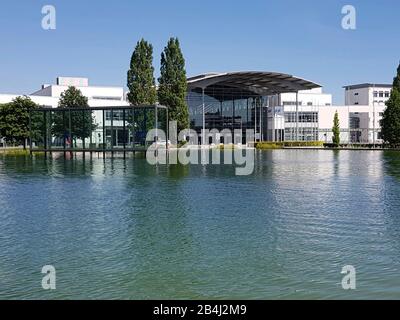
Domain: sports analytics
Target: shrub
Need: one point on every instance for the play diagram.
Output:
(288, 144)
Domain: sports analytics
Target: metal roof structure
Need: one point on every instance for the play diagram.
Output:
(253, 82)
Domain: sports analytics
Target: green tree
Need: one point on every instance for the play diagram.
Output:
(82, 122)
(390, 122)
(142, 89)
(14, 120)
(141, 81)
(336, 130)
(173, 84)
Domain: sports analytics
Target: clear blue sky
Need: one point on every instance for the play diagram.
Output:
(95, 39)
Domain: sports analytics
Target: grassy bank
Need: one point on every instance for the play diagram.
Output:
(289, 144)
(14, 151)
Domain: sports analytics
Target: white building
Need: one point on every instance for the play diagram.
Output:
(282, 124)
(49, 96)
(306, 116)
(359, 117)
(367, 94)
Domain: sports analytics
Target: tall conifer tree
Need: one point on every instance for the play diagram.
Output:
(141, 82)
(173, 84)
(391, 117)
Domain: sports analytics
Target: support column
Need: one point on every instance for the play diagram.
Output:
(124, 135)
(156, 123)
(91, 131)
(64, 132)
(112, 131)
(104, 133)
(203, 137)
(71, 145)
(233, 115)
(297, 116)
(247, 112)
(373, 118)
(84, 129)
(133, 128)
(261, 132)
(30, 132)
(255, 120)
(167, 115)
(45, 130)
(221, 117)
(349, 124)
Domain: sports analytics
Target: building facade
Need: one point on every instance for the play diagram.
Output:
(367, 94)
(278, 111)
(49, 96)
(278, 107)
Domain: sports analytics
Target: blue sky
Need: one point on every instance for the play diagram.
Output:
(95, 39)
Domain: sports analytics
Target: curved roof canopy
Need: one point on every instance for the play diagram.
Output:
(252, 82)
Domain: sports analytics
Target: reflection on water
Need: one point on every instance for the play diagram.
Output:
(120, 228)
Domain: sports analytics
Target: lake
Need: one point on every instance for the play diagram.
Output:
(123, 229)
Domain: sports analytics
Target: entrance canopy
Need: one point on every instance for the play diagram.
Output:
(249, 83)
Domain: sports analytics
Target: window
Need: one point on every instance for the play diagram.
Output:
(118, 115)
(107, 98)
(291, 103)
(375, 94)
(380, 94)
(387, 94)
(303, 117)
(354, 122)
(356, 94)
(356, 103)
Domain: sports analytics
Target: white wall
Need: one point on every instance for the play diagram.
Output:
(365, 113)
(365, 96)
(52, 102)
(310, 97)
(106, 93)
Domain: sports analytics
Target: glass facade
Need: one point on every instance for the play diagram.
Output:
(234, 108)
(117, 128)
(307, 127)
(227, 108)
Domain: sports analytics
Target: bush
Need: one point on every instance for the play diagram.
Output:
(288, 144)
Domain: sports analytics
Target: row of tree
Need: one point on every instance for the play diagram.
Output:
(18, 118)
(171, 92)
(172, 83)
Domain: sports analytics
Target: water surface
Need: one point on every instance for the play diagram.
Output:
(122, 229)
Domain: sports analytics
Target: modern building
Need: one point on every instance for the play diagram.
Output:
(368, 101)
(243, 100)
(49, 95)
(367, 94)
(281, 107)
(277, 106)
